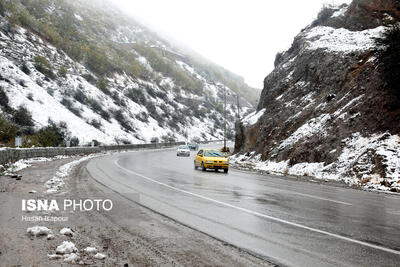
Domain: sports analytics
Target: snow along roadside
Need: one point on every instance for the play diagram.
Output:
(357, 152)
(55, 184)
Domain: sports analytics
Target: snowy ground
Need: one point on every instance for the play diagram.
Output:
(38, 93)
(342, 40)
(353, 166)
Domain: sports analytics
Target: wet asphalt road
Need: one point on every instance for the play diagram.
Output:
(287, 222)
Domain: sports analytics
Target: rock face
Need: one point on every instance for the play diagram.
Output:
(326, 94)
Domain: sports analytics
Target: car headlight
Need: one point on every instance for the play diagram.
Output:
(209, 161)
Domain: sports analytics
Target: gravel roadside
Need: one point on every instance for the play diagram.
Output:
(127, 235)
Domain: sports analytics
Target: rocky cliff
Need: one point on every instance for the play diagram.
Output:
(325, 109)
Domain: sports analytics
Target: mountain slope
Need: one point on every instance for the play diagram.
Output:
(325, 110)
(85, 65)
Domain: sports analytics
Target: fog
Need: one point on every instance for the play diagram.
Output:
(242, 36)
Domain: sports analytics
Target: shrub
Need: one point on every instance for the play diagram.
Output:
(51, 136)
(119, 116)
(8, 130)
(136, 95)
(22, 117)
(174, 125)
(162, 95)
(30, 96)
(25, 69)
(143, 116)
(74, 141)
(89, 78)
(164, 108)
(50, 91)
(69, 105)
(95, 105)
(81, 97)
(325, 13)
(97, 61)
(105, 115)
(43, 66)
(153, 112)
(151, 91)
(102, 84)
(3, 98)
(390, 58)
(96, 124)
(63, 71)
(117, 100)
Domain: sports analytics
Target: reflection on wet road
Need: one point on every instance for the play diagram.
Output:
(290, 222)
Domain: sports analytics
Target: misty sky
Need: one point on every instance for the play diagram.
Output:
(240, 35)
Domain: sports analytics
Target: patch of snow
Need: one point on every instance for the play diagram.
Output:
(66, 247)
(78, 17)
(167, 82)
(279, 97)
(100, 256)
(372, 59)
(350, 103)
(54, 256)
(340, 12)
(38, 231)
(145, 63)
(342, 40)
(90, 250)
(253, 117)
(71, 258)
(306, 169)
(66, 231)
(23, 164)
(56, 183)
(356, 148)
(289, 62)
(310, 128)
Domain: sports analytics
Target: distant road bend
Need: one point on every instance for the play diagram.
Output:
(288, 222)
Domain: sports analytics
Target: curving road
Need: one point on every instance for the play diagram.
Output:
(288, 222)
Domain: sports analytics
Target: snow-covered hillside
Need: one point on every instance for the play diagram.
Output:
(117, 107)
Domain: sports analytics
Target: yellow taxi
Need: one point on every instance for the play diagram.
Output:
(211, 159)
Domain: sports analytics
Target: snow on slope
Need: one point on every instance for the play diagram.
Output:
(357, 147)
(253, 117)
(43, 97)
(45, 106)
(342, 40)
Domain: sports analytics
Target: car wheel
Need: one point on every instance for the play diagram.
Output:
(225, 170)
(202, 167)
(216, 170)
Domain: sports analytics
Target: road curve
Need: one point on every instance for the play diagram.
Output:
(288, 222)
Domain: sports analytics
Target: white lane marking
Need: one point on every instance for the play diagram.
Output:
(261, 214)
(321, 198)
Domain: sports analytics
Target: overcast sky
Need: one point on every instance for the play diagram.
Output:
(240, 35)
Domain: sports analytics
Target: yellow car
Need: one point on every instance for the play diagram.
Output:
(211, 159)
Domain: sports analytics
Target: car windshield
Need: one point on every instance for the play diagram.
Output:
(183, 147)
(192, 144)
(213, 153)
